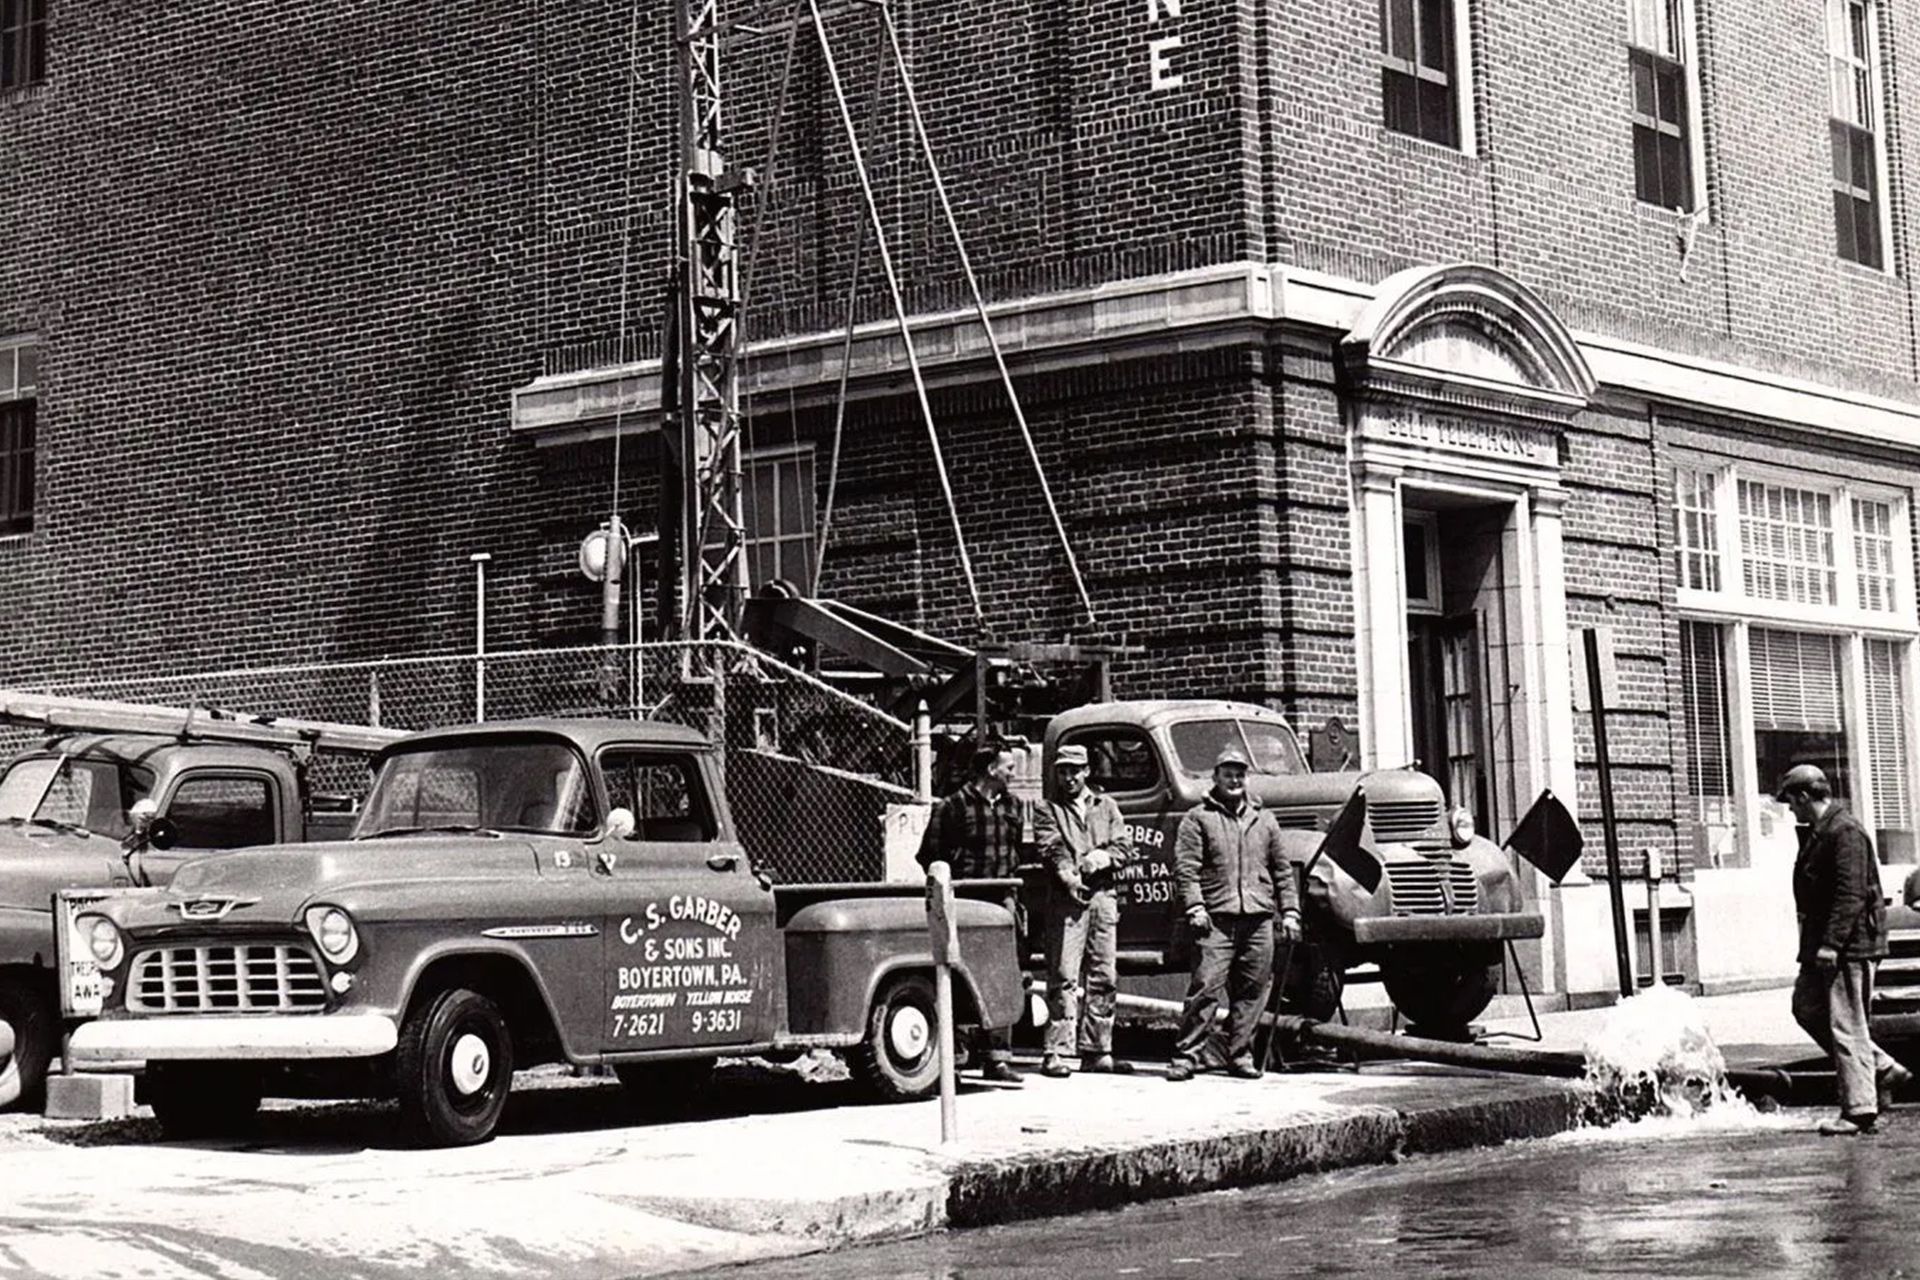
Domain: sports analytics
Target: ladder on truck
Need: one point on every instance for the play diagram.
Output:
(61, 714)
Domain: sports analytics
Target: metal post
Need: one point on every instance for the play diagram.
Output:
(1658, 967)
(922, 755)
(945, 936)
(1608, 828)
(480, 560)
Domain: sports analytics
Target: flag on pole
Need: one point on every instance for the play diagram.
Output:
(1548, 837)
(1342, 843)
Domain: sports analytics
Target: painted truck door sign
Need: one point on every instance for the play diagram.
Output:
(688, 971)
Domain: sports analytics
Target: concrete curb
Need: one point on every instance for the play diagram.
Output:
(984, 1192)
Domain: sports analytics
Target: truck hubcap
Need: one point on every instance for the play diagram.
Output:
(909, 1032)
(471, 1062)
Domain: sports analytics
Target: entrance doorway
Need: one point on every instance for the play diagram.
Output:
(1459, 690)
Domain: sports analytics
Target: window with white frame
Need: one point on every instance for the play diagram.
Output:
(1664, 130)
(1796, 590)
(777, 506)
(19, 380)
(1853, 104)
(1422, 70)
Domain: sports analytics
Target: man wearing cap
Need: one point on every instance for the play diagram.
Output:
(1843, 934)
(1082, 840)
(1231, 875)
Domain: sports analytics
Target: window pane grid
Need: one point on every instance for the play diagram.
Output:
(16, 466)
(1663, 169)
(1417, 75)
(1873, 554)
(1787, 544)
(1699, 530)
(23, 43)
(779, 514)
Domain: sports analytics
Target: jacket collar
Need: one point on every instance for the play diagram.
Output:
(1248, 804)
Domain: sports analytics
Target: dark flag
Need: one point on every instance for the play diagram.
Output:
(1342, 843)
(1548, 837)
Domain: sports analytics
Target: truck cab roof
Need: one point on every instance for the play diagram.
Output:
(588, 735)
(1153, 713)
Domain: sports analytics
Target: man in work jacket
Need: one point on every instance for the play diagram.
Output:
(1843, 934)
(1082, 839)
(1231, 874)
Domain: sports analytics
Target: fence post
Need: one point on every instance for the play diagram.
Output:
(480, 560)
(373, 698)
(922, 754)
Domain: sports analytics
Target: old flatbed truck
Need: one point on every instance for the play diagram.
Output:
(1436, 925)
(124, 794)
(515, 893)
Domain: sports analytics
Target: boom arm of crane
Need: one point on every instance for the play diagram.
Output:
(191, 724)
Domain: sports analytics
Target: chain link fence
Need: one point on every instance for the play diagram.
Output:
(810, 770)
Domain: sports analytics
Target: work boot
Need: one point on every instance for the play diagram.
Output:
(1244, 1069)
(1055, 1067)
(1179, 1070)
(1854, 1126)
(1894, 1079)
(1105, 1064)
(1000, 1071)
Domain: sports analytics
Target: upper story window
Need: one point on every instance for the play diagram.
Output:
(1420, 69)
(1790, 545)
(23, 43)
(777, 508)
(1854, 93)
(19, 375)
(1663, 123)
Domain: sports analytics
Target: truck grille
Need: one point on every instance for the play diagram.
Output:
(1896, 983)
(246, 978)
(1402, 819)
(1419, 888)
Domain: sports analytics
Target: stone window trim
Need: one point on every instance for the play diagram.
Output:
(1663, 102)
(1867, 550)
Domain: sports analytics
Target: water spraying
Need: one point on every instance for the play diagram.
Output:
(1654, 1057)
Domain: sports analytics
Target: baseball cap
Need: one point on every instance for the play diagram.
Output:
(1231, 754)
(1801, 776)
(1075, 756)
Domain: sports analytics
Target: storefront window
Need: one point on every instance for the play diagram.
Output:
(1786, 543)
(1709, 754)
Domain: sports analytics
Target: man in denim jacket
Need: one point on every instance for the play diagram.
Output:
(1232, 875)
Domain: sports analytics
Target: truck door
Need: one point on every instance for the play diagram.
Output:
(212, 810)
(1123, 762)
(690, 941)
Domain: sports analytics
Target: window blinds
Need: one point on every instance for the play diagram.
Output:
(1796, 681)
(1886, 737)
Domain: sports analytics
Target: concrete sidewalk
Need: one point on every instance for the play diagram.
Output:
(575, 1187)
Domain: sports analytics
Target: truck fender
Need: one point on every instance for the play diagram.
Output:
(26, 937)
(967, 1005)
(454, 952)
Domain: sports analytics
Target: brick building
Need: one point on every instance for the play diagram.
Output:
(1372, 347)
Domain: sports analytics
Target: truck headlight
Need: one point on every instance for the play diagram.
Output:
(333, 931)
(1460, 825)
(103, 940)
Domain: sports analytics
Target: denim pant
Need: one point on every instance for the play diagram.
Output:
(1831, 1006)
(1082, 948)
(1236, 956)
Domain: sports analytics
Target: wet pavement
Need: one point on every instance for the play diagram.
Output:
(1759, 1196)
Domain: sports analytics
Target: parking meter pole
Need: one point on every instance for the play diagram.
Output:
(922, 755)
(945, 936)
(1608, 827)
(1658, 967)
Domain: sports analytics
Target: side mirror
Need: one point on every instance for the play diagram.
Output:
(620, 824)
(141, 816)
(162, 834)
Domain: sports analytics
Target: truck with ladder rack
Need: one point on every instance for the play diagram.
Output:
(122, 794)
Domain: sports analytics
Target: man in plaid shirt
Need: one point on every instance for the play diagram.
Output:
(977, 831)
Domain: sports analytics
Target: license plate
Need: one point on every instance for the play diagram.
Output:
(86, 988)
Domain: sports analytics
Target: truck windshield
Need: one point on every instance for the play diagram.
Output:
(72, 794)
(491, 786)
(1272, 748)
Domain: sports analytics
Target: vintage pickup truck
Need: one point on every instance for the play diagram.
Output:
(128, 805)
(1435, 926)
(515, 893)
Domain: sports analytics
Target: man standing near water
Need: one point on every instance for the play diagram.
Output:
(1843, 935)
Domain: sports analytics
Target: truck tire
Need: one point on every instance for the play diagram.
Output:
(29, 1013)
(453, 1069)
(1440, 991)
(202, 1100)
(665, 1088)
(900, 1057)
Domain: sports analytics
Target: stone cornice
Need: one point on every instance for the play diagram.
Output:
(1234, 304)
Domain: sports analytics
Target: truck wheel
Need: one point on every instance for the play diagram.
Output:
(1440, 992)
(900, 1058)
(453, 1068)
(205, 1100)
(35, 1024)
(665, 1088)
